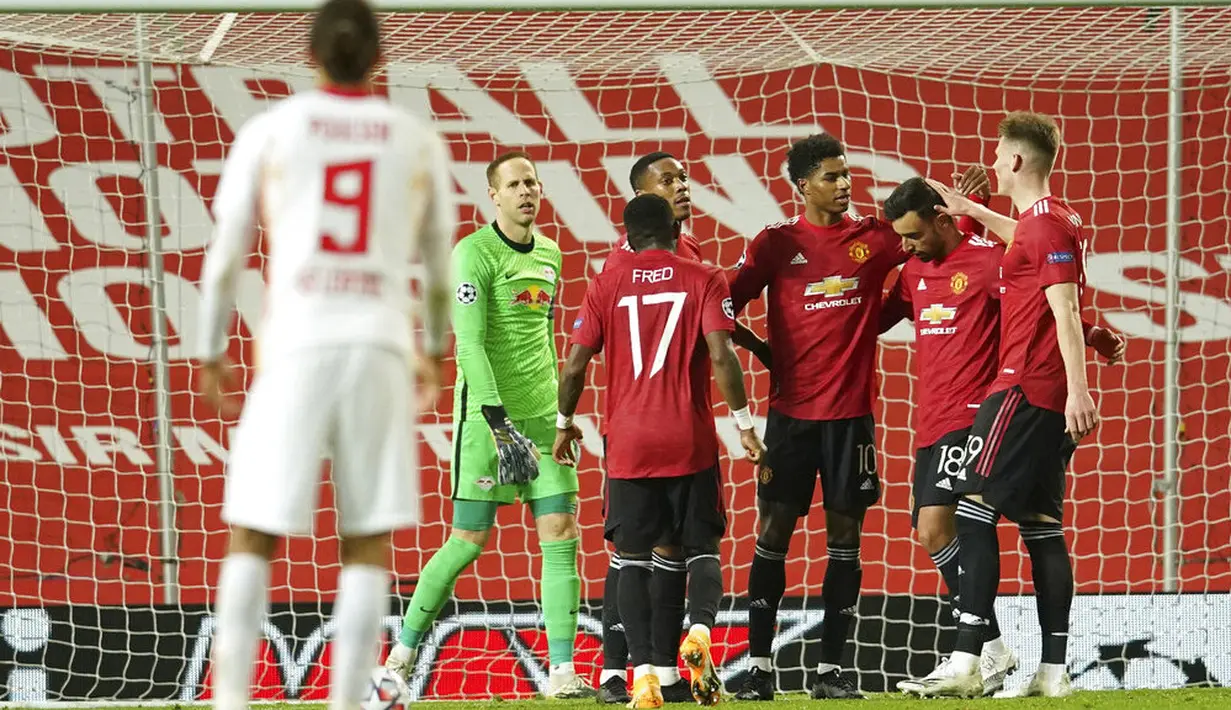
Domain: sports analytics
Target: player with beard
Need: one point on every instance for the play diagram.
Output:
(1038, 408)
(661, 174)
(950, 289)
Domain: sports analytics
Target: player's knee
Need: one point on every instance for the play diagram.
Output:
(936, 528)
(475, 537)
(843, 528)
(245, 541)
(670, 552)
(777, 524)
(555, 527)
(699, 552)
(365, 550)
(1039, 518)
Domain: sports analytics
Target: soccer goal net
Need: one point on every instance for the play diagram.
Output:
(112, 132)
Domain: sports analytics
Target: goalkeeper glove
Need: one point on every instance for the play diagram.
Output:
(518, 455)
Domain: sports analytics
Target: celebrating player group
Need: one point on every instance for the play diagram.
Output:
(349, 189)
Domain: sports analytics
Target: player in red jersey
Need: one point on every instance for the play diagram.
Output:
(661, 174)
(825, 273)
(651, 313)
(950, 289)
(1039, 406)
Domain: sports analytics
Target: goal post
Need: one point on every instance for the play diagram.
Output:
(114, 119)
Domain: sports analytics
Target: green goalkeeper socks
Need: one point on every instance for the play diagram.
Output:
(561, 597)
(436, 586)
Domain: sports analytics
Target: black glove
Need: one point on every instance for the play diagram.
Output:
(518, 455)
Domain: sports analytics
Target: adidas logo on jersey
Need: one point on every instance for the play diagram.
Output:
(867, 485)
(799, 259)
(922, 286)
(945, 484)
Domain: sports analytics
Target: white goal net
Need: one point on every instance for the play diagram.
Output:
(84, 573)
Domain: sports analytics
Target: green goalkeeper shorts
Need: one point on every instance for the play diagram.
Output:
(474, 475)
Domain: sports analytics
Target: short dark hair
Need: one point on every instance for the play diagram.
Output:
(806, 155)
(1037, 132)
(503, 158)
(649, 221)
(642, 166)
(345, 40)
(913, 195)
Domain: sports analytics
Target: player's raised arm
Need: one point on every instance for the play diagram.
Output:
(234, 208)
(959, 205)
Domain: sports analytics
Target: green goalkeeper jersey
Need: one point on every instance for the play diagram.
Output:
(504, 298)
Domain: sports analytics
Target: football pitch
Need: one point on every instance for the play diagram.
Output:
(1184, 699)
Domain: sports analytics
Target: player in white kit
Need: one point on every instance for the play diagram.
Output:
(347, 188)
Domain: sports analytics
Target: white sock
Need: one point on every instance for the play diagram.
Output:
(667, 675)
(363, 597)
(823, 668)
(643, 670)
(564, 669)
(995, 646)
(964, 662)
(761, 663)
(1051, 671)
(609, 673)
(243, 583)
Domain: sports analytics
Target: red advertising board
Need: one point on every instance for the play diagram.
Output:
(79, 521)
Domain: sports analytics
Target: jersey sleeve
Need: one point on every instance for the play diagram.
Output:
(589, 329)
(1054, 252)
(235, 213)
(717, 311)
(897, 304)
(439, 224)
(472, 283)
(753, 272)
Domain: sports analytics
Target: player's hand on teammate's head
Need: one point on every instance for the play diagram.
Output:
(1080, 414)
(956, 204)
(973, 182)
(754, 449)
(429, 369)
(565, 450)
(1108, 343)
(215, 380)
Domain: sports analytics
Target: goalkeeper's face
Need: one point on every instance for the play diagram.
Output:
(517, 191)
(668, 179)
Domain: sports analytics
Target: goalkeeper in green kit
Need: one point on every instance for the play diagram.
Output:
(504, 419)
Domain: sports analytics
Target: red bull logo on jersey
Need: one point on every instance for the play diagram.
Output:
(936, 314)
(536, 298)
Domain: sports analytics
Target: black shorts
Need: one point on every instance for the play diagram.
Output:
(642, 513)
(936, 470)
(842, 451)
(1016, 457)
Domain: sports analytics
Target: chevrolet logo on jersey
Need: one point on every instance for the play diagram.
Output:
(937, 314)
(535, 298)
(832, 286)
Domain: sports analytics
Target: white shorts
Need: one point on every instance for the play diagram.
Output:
(353, 404)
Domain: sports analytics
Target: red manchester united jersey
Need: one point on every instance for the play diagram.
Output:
(825, 294)
(687, 247)
(1049, 247)
(955, 304)
(650, 314)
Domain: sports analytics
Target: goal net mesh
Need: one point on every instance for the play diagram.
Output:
(909, 92)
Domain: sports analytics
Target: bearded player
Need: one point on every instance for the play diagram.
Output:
(1037, 409)
(661, 319)
(506, 277)
(348, 188)
(950, 289)
(661, 174)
